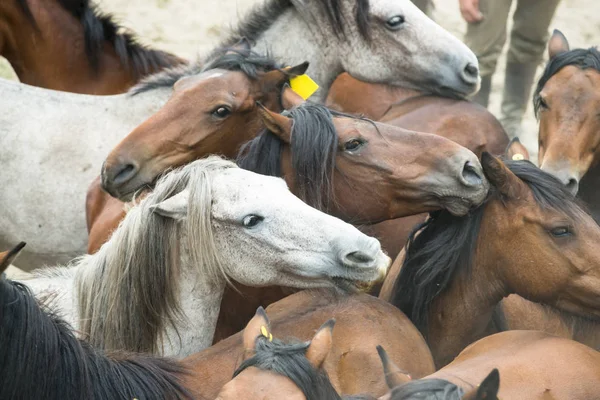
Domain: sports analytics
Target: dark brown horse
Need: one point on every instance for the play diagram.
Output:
(567, 100)
(457, 270)
(528, 365)
(346, 354)
(466, 123)
(69, 45)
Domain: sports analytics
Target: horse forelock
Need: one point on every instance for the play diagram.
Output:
(129, 291)
(445, 244)
(582, 58)
(289, 360)
(427, 389)
(37, 346)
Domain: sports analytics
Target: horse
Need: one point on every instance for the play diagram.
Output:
(529, 365)
(381, 50)
(457, 269)
(42, 358)
(71, 46)
(362, 322)
(566, 102)
(157, 285)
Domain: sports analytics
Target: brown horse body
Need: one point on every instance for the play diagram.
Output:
(463, 122)
(67, 45)
(529, 210)
(362, 323)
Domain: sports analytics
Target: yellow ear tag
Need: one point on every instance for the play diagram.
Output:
(304, 86)
(266, 333)
(518, 157)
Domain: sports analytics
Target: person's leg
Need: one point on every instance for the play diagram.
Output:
(486, 39)
(528, 40)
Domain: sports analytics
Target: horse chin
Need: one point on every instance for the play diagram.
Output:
(457, 206)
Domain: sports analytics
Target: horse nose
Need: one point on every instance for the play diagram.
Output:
(470, 74)
(117, 175)
(472, 174)
(573, 186)
(364, 254)
(563, 172)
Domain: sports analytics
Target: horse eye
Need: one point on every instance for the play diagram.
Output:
(395, 22)
(543, 104)
(561, 231)
(221, 112)
(353, 144)
(250, 221)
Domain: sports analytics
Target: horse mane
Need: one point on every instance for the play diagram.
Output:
(262, 17)
(231, 59)
(446, 244)
(41, 358)
(99, 28)
(427, 389)
(314, 145)
(582, 58)
(128, 292)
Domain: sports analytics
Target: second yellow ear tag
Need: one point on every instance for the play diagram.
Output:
(304, 86)
(266, 333)
(518, 157)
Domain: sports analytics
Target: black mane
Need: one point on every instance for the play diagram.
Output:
(42, 359)
(314, 146)
(427, 389)
(99, 28)
(264, 15)
(231, 59)
(446, 244)
(581, 58)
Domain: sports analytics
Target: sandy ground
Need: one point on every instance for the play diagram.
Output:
(192, 27)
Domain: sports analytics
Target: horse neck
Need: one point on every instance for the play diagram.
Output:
(114, 319)
(292, 39)
(462, 313)
(40, 59)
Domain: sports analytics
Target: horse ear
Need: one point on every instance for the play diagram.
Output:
(7, 257)
(321, 344)
(278, 77)
(258, 326)
(289, 98)
(557, 44)
(516, 151)
(488, 390)
(500, 176)
(393, 375)
(279, 124)
(242, 45)
(175, 207)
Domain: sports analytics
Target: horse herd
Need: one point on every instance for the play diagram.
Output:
(484, 279)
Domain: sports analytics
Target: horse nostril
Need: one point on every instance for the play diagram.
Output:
(357, 257)
(124, 174)
(470, 174)
(471, 70)
(573, 186)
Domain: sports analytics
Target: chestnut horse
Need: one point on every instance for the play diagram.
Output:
(457, 269)
(567, 100)
(337, 360)
(466, 123)
(362, 322)
(528, 365)
(69, 45)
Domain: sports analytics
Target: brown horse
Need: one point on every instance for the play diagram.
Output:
(567, 100)
(466, 123)
(201, 118)
(69, 45)
(341, 359)
(529, 365)
(457, 269)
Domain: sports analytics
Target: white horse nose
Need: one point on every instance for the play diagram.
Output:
(470, 74)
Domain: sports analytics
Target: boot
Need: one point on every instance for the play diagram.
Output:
(518, 81)
(483, 96)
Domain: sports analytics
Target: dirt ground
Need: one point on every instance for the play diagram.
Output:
(192, 27)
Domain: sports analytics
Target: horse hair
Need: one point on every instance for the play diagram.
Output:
(42, 359)
(128, 292)
(445, 244)
(427, 389)
(99, 27)
(264, 15)
(231, 59)
(289, 360)
(581, 58)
